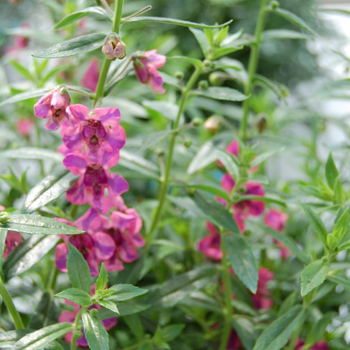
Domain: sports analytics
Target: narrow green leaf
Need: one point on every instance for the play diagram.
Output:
(76, 295)
(166, 109)
(124, 310)
(211, 189)
(278, 333)
(171, 332)
(278, 89)
(331, 171)
(22, 70)
(40, 316)
(293, 18)
(229, 162)
(242, 260)
(340, 280)
(221, 93)
(262, 157)
(94, 10)
(344, 246)
(3, 234)
(223, 51)
(147, 345)
(24, 96)
(176, 22)
(81, 44)
(313, 275)
(288, 303)
(262, 199)
(316, 223)
(109, 305)
(341, 226)
(274, 34)
(202, 40)
(48, 189)
(245, 330)
(102, 279)
(194, 61)
(152, 139)
(27, 254)
(78, 270)
(95, 332)
(32, 153)
(8, 339)
(40, 338)
(317, 331)
(36, 224)
(125, 292)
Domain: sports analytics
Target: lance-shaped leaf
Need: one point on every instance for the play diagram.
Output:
(208, 188)
(81, 44)
(340, 280)
(246, 331)
(124, 309)
(317, 331)
(102, 279)
(262, 199)
(341, 226)
(152, 139)
(331, 171)
(175, 22)
(3, 234)
(221, 93)
(48, 189)
(37, 320)
(109, 305)
(229, 162)
(202, 40)
(93, 10)
(242, 260)
(262, 157)
(124, 292)
(76, 296)
(36, 224)
(167, 109)
(40, 338)
(8, 339)
(194, 61)
(280, 90)
(274, 34)
(95, 332)
(32, 153)
(27, 254)
(278, 333)
(25, 96)
(313, 275)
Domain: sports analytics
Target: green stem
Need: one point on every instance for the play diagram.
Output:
(10, 307)
(73, 211)
(228, 312)
(73, 344)
(165, 180)
(53, 278)
(106, 64)
(37, 130)
(253, 62)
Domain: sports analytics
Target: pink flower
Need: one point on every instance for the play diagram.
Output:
(277, 220)
(69, 316)
(261, 299)
(114, 48)
(20, 42)
(91, 76)
(234, 343)
(321, 345)
(210, 245)
(232, 148)
(102, 129)
(95, 179)
(24, 126)
(53, 106)
(146, 66)
(13, 239)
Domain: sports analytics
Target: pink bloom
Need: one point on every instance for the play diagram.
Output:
(91, 76)
(20, 42)
(234, 343)
(321, 345)
(114, 48)
(210, 245)
(95, 179)
(24, 126)
(13, 239)
(53, 106)
(261, 299)
(69, 316)
(2, 208)
(146, 66)
(277, 220)
(102, 129)
(232, 148)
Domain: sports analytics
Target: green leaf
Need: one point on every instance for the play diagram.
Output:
(338, 191)
(95, 332)
(278, 333)
(109, 305)
(344, 246)
(317, 331)
(39, 317)
(40, 338)
(242, 260)
(316, 223)
(245, 330)
(36, 224)
(3, 234)
(221, 93)
(262, 157)
(194, 61)
(78, 270)
(274, 34)
(313, 275)
(76, 295)
(152, 139)
(216, 212)
(175, 21)
(8, 339)
(170, 333)
(22, 70)
(202, 40)
(32, 153)
(81, 44)
(278, 89)
(93, 10)
(286, 241)
(135, 325)
(24, 96)
(223, 51)
(340, 280)
(124, 309)
(102, 279)
(262, 199)
(27, 254)
(229, 162)
(211, 189)
(125, 292)
(293, 18)
(48, 189)
(167, 109)
(288, 303)
(331, 171)
(147, 345)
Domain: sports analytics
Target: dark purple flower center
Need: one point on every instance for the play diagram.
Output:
(83, 243)
(95, 177)
(93, 129)
(116, 235)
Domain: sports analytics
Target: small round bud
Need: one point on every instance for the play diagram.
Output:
(217, 78)
(4, 218)
(179, 75)
(78, 334)
(93, 312)
(247, 232)
(159, 152)
(197, 121)
(191, 191)
(188, 143)
(242, 190)
(274, 4)
(235, 197)
(203, 84)
(207, 64)
(63, 90)
(212, 124)
(114, 47)
(324, 259)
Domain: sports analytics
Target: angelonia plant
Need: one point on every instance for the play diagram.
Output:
(153, 223)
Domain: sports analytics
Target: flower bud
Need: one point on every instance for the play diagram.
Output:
(93, 312)
(179, 75)
(247, 232)
(235, 197)
(242, 190)
(274, 4)
(4, 218)
(188, 143)
(212, 124)
(114, 48)
(197, 121)
(261, 123)
(77, 334)
(208, 64)
(203, 84)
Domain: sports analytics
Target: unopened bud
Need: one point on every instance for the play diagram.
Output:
(78, 334)
(262, 123)
(197, 121)
(114, 47)
(179, 75)
(4, 218)
(203, 84)
(212, 124)
(217, 78)
(191, 191)
(242, 190)
(93, 312)
(188, 143)
(247, 232)
(208, 64)
(274, 4)
(235, 197)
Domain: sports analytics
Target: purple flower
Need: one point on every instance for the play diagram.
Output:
(261, 299)
(146, 65)
(97, 131)
(91, 76)
(53, 106)
(210, 244)
(95, 179)
(114, 48)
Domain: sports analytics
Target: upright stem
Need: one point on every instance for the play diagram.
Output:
(73, 344)
(10, 307)
(253, 62)
(228, 312)
(165, 180)
(106, 63)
